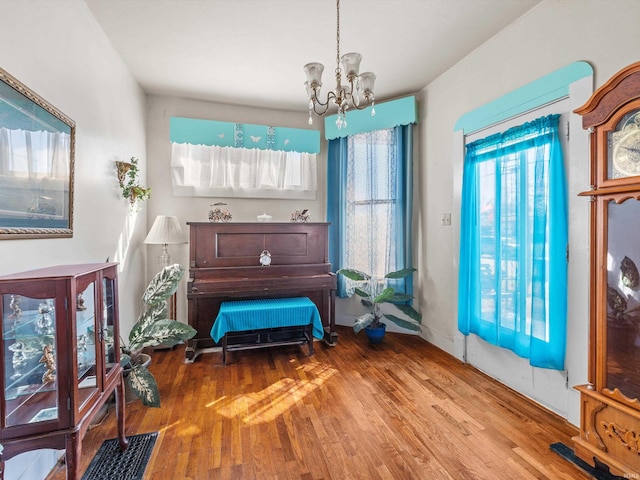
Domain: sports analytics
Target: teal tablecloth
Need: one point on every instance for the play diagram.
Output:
(243, 315)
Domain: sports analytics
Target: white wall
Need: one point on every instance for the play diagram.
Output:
(195, 209)
(552, 35)
(57, 49)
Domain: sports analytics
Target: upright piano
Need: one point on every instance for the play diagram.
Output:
(224, 264)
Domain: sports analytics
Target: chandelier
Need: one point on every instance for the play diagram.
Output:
(358, 93)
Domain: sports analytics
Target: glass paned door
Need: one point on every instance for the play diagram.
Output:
(86, 341)
(623, 300)
(30, 359)
(108, 318)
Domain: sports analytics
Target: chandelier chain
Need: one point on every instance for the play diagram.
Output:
(338, 37)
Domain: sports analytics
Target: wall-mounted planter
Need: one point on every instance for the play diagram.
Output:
(128, 179)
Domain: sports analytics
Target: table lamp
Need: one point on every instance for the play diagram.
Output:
(165, 231)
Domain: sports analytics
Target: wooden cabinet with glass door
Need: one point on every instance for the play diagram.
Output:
(61, 359)
(610, 402)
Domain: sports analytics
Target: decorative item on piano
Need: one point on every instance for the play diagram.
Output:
(218, 215)
(265, 258)
(264, 217)
(300, 216)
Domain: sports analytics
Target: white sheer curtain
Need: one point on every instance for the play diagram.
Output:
(202, 170)
(371, 202)
(37, 155)
(34, 173)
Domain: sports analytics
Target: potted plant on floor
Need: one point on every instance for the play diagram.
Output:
(374, 293)
(153, 328)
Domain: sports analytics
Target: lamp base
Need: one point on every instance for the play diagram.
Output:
(164, 259)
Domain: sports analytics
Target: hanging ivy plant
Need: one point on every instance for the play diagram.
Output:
(128, 179)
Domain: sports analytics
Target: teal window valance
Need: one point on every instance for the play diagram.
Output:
(196, 131)
(388, 115)
(544, 90)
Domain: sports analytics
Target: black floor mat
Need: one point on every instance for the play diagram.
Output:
(110, 463)
(597, 473)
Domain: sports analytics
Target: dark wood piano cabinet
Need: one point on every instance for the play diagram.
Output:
(224, 265)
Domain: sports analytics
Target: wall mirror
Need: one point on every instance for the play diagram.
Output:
(37, 144)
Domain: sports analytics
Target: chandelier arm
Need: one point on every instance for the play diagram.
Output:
(352, 93)
(364, 103)
(323, 111)
(317, 102)
(362, 106)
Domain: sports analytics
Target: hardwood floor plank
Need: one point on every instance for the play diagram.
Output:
(399, 410)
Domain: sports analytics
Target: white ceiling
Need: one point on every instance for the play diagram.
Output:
(252, 52)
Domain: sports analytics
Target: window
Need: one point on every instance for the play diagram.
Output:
(203, 170)
(513, 267)
(212, 158)
(369, 203)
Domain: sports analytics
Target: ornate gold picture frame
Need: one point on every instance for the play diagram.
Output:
(37, 149)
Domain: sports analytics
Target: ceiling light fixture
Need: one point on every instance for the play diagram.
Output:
(358, 93)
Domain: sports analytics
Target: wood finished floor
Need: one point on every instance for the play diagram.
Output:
(400, 410)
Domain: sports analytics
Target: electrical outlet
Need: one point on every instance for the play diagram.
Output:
(445, 220)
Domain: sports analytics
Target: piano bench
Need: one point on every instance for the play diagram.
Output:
(267, 322)
(267, 337)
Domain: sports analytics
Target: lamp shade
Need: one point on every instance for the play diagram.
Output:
(165, 231)
(314, 73)
(351, 63)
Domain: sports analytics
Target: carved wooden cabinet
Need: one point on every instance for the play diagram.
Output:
(610, 402)
(60, 357)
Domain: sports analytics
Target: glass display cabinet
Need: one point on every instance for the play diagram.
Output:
(610, 402)
(60, 358)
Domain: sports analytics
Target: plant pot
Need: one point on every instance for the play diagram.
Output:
(129, 396)
(122, 169)
(376, 334)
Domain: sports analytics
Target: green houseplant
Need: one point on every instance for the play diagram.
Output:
(374, 293)
(153, 328)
